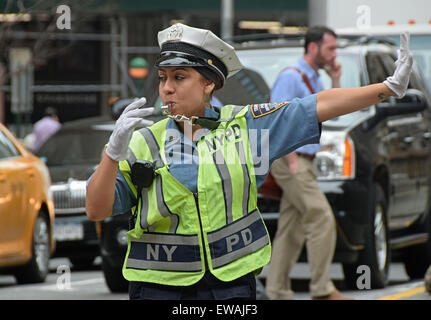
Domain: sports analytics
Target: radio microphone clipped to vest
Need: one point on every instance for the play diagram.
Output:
(143, 173)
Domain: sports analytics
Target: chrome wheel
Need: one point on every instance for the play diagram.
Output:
(376, 253)
(380, 238)
(41, 244)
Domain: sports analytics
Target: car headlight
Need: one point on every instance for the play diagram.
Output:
(336, 158)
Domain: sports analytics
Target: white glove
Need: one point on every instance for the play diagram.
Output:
(399, 81)
(130, 120)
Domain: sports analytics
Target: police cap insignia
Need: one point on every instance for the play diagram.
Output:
(259, 110)
(175, 33)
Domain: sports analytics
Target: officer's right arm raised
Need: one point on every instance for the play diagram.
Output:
(101, 187)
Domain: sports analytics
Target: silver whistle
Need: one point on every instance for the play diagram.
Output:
(165, 109)
(177, 117)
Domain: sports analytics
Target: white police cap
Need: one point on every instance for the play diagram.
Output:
(182, 45)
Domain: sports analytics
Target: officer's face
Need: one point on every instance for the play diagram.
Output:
(327, 51)
(184, 90)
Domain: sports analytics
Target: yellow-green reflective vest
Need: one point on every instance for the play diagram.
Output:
(178, 235)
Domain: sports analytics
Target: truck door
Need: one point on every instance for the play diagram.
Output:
(397, 142)
(416, 146)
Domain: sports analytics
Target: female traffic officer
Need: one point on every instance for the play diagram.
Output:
(191, 179)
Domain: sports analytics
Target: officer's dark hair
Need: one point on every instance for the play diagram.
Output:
(315, 34)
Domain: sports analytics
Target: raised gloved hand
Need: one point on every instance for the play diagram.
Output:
(399, 81)
(131, 119)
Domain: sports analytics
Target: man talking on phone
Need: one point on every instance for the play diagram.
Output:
(305, 214)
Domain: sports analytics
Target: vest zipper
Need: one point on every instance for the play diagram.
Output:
(202, 231)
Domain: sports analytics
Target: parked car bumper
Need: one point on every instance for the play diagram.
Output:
(76, 237)
(74, 233)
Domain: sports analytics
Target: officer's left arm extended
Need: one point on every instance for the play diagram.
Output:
(336, 102)
(276, 129)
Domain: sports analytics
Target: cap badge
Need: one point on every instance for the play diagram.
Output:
(175, 33)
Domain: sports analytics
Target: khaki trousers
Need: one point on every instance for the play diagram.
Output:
(305, 216)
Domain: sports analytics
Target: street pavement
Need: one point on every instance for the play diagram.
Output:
(65, 283)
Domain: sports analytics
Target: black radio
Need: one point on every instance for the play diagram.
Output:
(143, 173)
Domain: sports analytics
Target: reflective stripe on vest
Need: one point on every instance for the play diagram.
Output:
(144, 209)
(169, 252)
(152, 145)
(223, 171)
(240, 149)
(131, 159)
(226, 183)
(163, 208)
(244, 236)
(161, 204)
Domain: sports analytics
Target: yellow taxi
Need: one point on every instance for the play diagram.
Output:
(26, 212)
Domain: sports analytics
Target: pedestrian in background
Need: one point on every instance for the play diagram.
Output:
(190, 180)
(45, 127)
(305, 214)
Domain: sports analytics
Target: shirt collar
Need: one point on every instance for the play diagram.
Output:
(212, 112)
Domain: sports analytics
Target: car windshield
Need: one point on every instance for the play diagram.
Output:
(69, 147)
(269, 63)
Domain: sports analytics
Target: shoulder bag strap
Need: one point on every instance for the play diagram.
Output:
(304, 78)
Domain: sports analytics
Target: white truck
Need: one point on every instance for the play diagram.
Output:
(367, 13)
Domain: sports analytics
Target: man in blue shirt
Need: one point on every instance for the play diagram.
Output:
(305, 215)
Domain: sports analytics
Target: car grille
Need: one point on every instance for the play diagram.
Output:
(69, 198)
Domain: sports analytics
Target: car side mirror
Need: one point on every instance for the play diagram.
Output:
(413, 101)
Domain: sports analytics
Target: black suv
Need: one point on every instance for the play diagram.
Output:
(374, 166)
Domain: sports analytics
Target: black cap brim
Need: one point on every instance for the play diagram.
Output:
(178, 54)
(178, 59)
